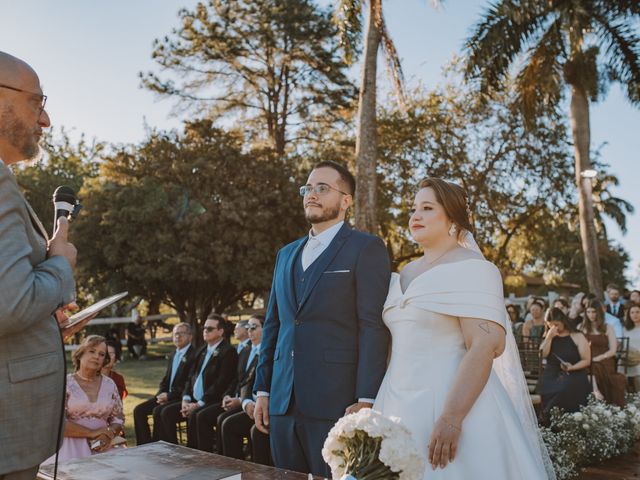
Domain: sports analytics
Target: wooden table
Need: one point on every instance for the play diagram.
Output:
(161, 461)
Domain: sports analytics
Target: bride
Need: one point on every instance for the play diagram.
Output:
(454, 375)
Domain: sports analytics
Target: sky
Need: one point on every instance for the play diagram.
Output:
(89, 53)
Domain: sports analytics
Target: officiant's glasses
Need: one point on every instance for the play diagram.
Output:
(43, 98)
(320, 189)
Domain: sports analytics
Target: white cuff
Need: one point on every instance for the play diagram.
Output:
(246, 402)
(200, 403)
(367, 400)
(262, 394)
(186, 398)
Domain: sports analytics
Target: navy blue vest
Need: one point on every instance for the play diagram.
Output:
(301, 277)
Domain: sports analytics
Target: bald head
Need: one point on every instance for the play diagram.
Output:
(22, 116)
(14, 71)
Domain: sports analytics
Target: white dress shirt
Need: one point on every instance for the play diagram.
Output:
(318, 244)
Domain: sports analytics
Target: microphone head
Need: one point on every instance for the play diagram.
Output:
(64, 194)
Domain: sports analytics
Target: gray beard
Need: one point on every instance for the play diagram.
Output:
(19, 135)
(326, 215)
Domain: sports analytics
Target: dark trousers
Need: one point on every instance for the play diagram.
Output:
(141, 415)
(297, 441)
(219, 434)
(200, 427)
(170, 416)
(235, 428)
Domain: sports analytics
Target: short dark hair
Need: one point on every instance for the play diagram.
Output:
(345, 175)
(538, 302)
(557, 315)
(563, 301)
(112, 344)
(613, 286)
(215, 316)
(260, 318)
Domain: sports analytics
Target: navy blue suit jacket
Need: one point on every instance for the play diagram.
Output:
(331, 348)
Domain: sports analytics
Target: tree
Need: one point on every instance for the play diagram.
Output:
(273, 64)
(191, 219)
(62, 163)
(349, 19)
(582, 45)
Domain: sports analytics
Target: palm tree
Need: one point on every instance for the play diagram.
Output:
(580, 45)
(350, 22)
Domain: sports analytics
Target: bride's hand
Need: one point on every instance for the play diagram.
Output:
(443, 444)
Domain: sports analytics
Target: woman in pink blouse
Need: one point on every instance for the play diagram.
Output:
(93, 416)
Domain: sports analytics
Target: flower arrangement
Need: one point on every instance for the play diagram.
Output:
(369, 446)
(597, 432)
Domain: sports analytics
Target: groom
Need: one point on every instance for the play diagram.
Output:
(324, 346)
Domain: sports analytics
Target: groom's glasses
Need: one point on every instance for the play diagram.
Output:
(320, 189)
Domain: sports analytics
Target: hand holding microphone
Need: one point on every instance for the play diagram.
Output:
(65, 205)
(59, 245)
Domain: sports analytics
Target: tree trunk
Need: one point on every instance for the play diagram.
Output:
(579, 117)
(366, 141)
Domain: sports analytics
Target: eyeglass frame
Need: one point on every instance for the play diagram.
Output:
(43, 97)
(307, 189)
(251, 327)
(210, 329)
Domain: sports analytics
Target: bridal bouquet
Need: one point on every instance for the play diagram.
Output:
(369, 446)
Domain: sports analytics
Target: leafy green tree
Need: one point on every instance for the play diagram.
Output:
(63, 163)
(191, 219)
(582, 45)
(272, 64)
(516, 176)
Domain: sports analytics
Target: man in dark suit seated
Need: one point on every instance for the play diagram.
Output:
(170, 390)
(215, 370)
(232, 402)
(240, 425)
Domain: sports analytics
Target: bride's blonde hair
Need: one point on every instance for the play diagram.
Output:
(453, 199)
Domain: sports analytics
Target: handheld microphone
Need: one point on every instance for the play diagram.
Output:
(65, 204)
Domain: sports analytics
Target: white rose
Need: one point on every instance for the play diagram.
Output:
(585, 426)
(578, 416)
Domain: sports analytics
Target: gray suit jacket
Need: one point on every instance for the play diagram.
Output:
(32, 287)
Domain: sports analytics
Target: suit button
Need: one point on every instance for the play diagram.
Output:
(298, 322)
(291, 353)
(302, 280)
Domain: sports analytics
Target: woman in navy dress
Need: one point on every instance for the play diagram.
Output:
(565, 382)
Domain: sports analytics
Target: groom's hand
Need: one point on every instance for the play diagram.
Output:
(356, 407)
(261, 414)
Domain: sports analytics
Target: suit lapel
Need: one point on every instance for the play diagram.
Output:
(323, 261)
(36, 221)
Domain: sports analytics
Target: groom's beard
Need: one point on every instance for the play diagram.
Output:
(326, 215)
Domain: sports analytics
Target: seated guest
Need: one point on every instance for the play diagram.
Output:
(516, 321)
(170, 390)
(534, 327)
(238, 426)
(565, 382)
(634, 297)
(113, 338)
(608, 384)
(632, 330)
(108, 370)
(93, 409)
(247, 363)
(215, 369)
(563, 304)
(614, 303)
(136, 343)
(241, 334)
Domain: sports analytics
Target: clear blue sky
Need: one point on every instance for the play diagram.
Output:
(89, 53)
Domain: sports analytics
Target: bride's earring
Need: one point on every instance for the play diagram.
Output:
(452, 230)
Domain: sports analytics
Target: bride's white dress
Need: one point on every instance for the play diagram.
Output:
(427, 348)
